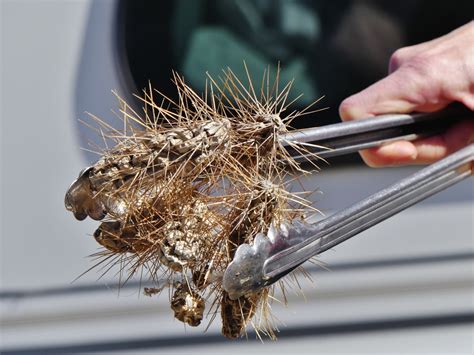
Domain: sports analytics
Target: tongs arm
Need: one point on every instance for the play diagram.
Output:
(370, 211)
(348, 137)
(287, 246)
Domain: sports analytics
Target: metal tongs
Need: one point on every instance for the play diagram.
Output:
(290, 244)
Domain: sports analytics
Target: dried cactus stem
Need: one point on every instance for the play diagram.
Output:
(237, 313)
(203, 176)
(188, 305)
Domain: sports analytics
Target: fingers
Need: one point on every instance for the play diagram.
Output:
(391, 154)
(423, 78)
(434, 148)
(423, 151)
(392, 94)
(406, 90)
(411, 87)
(371, 101)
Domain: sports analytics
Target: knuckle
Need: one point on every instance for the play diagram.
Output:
(346, 108)
(397, 59)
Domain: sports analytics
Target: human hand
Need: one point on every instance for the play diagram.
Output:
(424, 78)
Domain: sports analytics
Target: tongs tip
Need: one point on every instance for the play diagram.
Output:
(246, 273)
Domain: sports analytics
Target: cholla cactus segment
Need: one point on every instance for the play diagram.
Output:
(188, 305)
(186, 183)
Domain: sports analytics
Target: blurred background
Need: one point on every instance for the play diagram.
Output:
(405, 286)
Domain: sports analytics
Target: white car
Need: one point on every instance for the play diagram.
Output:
(404, 286)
